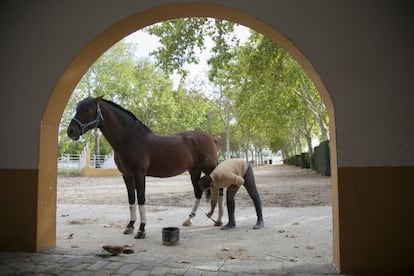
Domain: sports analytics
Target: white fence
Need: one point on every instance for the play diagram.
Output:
(68, 163)
(74, 163)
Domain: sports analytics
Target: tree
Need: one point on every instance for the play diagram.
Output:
(112, 76)
(137, 85)
(262, 98)
(260, 86)
(183, 39)
(283, 93)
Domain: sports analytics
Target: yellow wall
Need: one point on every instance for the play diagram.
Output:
(88, 171)
(18, 202)
(100, 172)
(376, 219)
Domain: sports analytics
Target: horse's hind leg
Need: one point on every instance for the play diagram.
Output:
(195, 177)
(129, 182)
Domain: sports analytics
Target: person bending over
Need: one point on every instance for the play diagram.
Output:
(231, 174)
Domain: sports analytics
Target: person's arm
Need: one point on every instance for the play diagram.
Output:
(213, 200)
(238, 180)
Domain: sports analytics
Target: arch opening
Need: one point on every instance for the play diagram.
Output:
(70, 78)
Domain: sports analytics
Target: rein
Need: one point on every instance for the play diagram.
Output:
(98, 119)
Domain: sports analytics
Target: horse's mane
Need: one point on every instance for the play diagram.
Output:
(129, 113)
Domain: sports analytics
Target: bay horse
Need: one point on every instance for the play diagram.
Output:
(139, 152)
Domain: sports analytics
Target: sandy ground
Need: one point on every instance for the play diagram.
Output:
(92, 212)
(278, 185)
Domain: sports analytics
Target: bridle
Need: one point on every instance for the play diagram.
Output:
(95, 122)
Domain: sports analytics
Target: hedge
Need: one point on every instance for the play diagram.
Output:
(321, 157)
(321, 162)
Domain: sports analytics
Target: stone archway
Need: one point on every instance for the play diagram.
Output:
(46, 232)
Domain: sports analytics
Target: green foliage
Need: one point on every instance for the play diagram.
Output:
(183, 39)
(137, 85)
(262, 90)
(262, 98)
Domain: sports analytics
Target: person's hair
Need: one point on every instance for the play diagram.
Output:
(204, 182)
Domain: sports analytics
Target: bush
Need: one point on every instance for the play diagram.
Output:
(304, 160)
(322, 161)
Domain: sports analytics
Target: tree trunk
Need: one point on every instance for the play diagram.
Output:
(324, 130)
(310, 149)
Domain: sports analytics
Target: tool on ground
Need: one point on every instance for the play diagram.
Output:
(211, 218)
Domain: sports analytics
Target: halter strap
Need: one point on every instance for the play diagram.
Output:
(98, 119)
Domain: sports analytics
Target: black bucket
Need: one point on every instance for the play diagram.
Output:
(170, 235)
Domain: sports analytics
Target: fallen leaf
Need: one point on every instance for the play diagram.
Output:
(310, 247)
(70, 236)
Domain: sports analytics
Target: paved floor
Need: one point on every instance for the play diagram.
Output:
(294, 241)
(61, 262)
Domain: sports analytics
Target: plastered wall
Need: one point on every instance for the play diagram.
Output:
(359, 55)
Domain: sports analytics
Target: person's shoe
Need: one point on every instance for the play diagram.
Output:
(259, 225)
(228, 226)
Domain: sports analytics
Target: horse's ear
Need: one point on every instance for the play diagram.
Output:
(99, 97)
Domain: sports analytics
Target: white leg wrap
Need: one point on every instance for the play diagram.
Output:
(133, 212)
(221, 207)
(195, 206)
(142, 213)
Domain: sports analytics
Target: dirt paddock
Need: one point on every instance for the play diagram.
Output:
(92, 212)
(278, 185)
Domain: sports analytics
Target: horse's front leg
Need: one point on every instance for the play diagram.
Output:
(140, 186)
(218, 222)
(195, 177)
(129, 182)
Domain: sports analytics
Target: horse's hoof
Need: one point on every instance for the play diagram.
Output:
(218, 223)
(129, 230)
(140, 235)
(187, 222)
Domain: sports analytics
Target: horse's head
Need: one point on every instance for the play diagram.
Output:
(88, 116)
